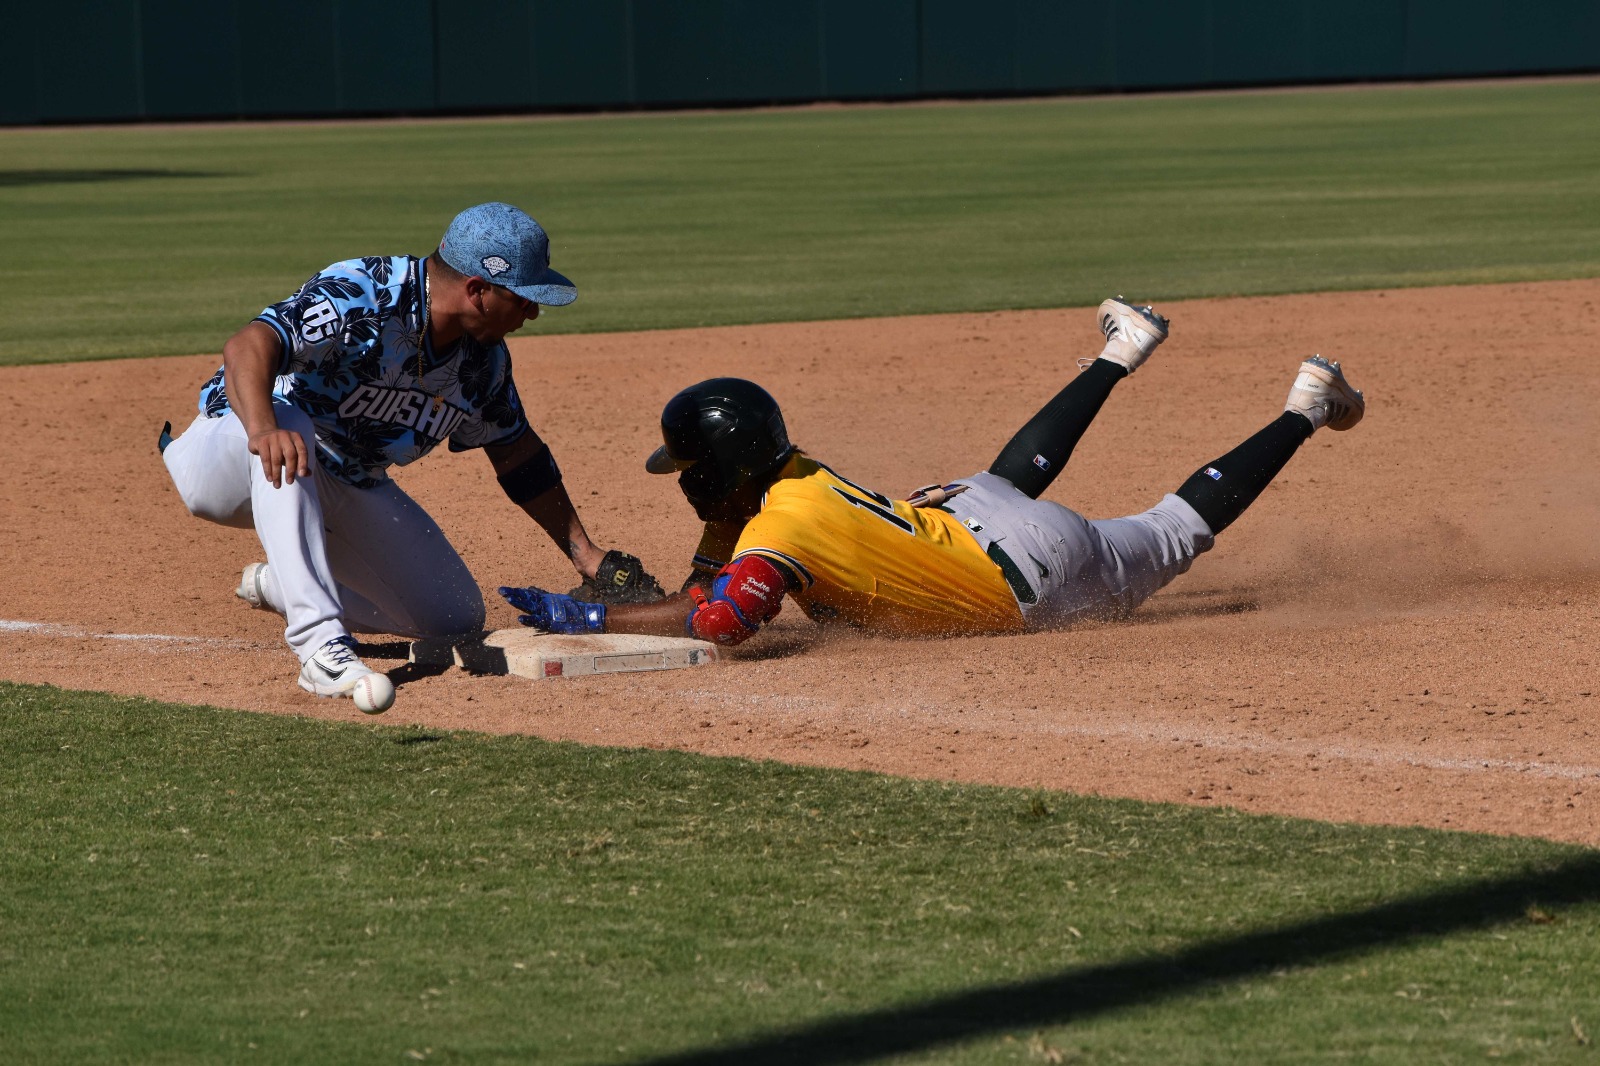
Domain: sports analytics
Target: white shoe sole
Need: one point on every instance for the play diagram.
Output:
(343, 688)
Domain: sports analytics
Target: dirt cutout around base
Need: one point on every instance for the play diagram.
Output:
(1403, 629)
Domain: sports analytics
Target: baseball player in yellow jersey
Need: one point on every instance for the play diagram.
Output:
(980, 555)
(850, 554)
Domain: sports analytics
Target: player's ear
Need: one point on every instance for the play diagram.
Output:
(476, 287)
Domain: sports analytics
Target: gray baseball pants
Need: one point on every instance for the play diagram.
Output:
(1071, 568)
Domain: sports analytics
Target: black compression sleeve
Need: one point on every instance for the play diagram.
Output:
(1223, 489)
(1041, 448)
(532, 479)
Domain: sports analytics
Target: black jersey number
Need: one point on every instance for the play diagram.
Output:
(876, 503)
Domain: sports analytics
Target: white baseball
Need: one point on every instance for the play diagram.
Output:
(373, 693)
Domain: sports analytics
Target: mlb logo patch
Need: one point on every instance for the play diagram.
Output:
(1213, 473)
(1041, 462)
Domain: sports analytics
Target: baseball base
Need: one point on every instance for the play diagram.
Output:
(527, 653)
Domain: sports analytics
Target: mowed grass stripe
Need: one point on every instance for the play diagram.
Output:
(142, 241)
(189, 884)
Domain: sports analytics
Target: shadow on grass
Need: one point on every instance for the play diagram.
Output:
(1076, 994)
(17, 178)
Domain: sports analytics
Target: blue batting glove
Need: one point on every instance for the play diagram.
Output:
(555, 613)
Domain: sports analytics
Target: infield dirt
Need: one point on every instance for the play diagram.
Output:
(1404, 629)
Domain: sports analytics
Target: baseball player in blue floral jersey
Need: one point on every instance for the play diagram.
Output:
(372, 364)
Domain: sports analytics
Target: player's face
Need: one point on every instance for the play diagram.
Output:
(741, 505)
(503, 312)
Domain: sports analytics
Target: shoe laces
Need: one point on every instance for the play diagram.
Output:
(340, 651)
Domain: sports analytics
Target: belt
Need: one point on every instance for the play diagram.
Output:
(1013, 575)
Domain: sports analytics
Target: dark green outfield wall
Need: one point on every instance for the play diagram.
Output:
(83, 60)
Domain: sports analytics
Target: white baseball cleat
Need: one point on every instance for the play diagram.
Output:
(1321, 393)
(253, 587)
(335, 670)
(1132, 333)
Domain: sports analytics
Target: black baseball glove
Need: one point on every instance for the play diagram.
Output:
(621, 578)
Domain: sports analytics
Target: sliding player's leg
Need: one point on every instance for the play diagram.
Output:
(1040, 450)
(1222, 489)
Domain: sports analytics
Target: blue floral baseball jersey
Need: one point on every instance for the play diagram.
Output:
(357, 359)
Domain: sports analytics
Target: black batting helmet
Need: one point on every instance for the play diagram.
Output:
(720, 436)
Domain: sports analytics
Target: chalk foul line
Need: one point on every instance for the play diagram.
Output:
(52, 629)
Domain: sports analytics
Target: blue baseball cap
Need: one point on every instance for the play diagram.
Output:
(502, 245)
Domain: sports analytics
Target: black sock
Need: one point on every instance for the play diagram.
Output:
(1041, 448)
(1222, 490)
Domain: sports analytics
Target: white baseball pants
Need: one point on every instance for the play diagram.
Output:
(339, 558)
(1076, 568)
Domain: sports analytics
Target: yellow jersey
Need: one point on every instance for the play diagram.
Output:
(856, 556)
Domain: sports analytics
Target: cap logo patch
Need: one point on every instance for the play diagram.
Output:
(496, 266)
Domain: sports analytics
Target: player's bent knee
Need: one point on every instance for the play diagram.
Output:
(237, 516)
(211, 500)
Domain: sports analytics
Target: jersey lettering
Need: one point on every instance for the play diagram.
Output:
(402, 407)
(320, 321)
(405, 407)
(438, 420)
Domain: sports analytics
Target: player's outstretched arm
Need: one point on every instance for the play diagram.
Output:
(250, 363)
(668, 617)
(746, 595)
(529, 476)
(554, 612)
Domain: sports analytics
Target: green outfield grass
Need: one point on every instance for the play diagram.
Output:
(188, 884)
(141, 241)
